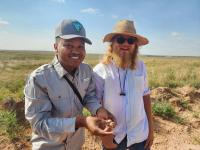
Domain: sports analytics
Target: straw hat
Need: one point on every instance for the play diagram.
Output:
(125, 27)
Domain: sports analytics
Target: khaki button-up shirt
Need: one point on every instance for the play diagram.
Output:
(51, 106)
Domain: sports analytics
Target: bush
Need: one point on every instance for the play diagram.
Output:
(8, 124)
(13, 88)
(86, 112)
(163, 109)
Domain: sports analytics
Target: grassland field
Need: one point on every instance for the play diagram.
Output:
(163, 71)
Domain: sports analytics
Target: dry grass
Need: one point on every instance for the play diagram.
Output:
(162, 71)
(169, 72)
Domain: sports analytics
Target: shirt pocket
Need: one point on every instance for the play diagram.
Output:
(84, 86)
(61, 104)
(139, 84)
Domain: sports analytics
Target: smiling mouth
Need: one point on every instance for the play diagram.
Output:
(124, 49)
(75, 57)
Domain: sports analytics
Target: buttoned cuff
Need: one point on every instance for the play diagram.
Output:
(69, 124)
(146, 91)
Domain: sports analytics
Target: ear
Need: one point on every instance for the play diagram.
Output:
(56, 47)
(111, 47)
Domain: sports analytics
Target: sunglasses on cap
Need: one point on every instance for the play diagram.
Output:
(130, 40)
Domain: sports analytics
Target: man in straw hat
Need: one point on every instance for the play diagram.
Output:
(56, 93)
(121, 84)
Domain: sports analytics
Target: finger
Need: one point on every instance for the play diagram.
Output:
(146, 144)
(112, 118)
(101, 124)
(102, 132)
(107, 129)
(150, 143)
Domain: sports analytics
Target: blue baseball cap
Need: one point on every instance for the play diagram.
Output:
(69, 29)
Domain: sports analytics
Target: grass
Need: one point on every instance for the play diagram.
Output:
(196, 114)
(184, 104)
(171, 72)
(86, 112)
(9, 124)
(162, 71)
(163, 109)
(166, 111)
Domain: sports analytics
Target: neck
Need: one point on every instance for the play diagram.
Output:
(122, 63)
(71, 71)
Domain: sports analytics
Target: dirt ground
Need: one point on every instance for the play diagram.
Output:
(168, 135)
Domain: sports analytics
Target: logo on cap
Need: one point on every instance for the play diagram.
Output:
(77, 26)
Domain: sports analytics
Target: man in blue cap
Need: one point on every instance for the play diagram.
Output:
(56, 93)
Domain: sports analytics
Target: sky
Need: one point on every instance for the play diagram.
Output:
(172, 26)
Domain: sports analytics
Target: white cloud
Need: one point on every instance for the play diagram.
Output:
(93, 11)
(90, 10)
(177, 35)
(59, 1)
(114, 16)
(3, 22)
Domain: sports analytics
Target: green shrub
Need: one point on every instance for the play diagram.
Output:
(163, 109)
(184, 104)
(8, 124)
(196, 114)
(13, 88)
(86, 112)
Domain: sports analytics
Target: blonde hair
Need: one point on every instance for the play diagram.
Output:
(108, 57)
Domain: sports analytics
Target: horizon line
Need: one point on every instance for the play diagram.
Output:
(157, 55)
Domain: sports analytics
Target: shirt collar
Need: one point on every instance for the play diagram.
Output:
(61, 70)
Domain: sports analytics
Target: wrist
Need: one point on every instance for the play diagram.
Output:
(97, 111)
(151, 127)
(80, 122)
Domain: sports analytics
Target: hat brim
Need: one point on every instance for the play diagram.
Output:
(141, 40)
(72, 36)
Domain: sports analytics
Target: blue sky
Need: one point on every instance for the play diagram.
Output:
(172, 26)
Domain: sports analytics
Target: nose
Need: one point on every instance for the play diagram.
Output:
(126, 42)
(75, 51)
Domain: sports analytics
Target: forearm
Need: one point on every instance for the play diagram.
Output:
(80, 122)
(90, 99)
(93, 106)
(148, 110)
(38, 113)
(54, 128)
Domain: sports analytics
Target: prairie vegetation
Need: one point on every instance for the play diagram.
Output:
(174, 81)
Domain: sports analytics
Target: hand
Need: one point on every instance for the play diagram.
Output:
(97, 126)
(102, 113)
(149, 140)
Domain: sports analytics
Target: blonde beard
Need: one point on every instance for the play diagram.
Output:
(122, 62)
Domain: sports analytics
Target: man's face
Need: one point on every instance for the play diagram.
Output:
(123, 46)
(70, 53)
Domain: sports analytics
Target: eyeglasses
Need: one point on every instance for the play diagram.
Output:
(121, 40)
